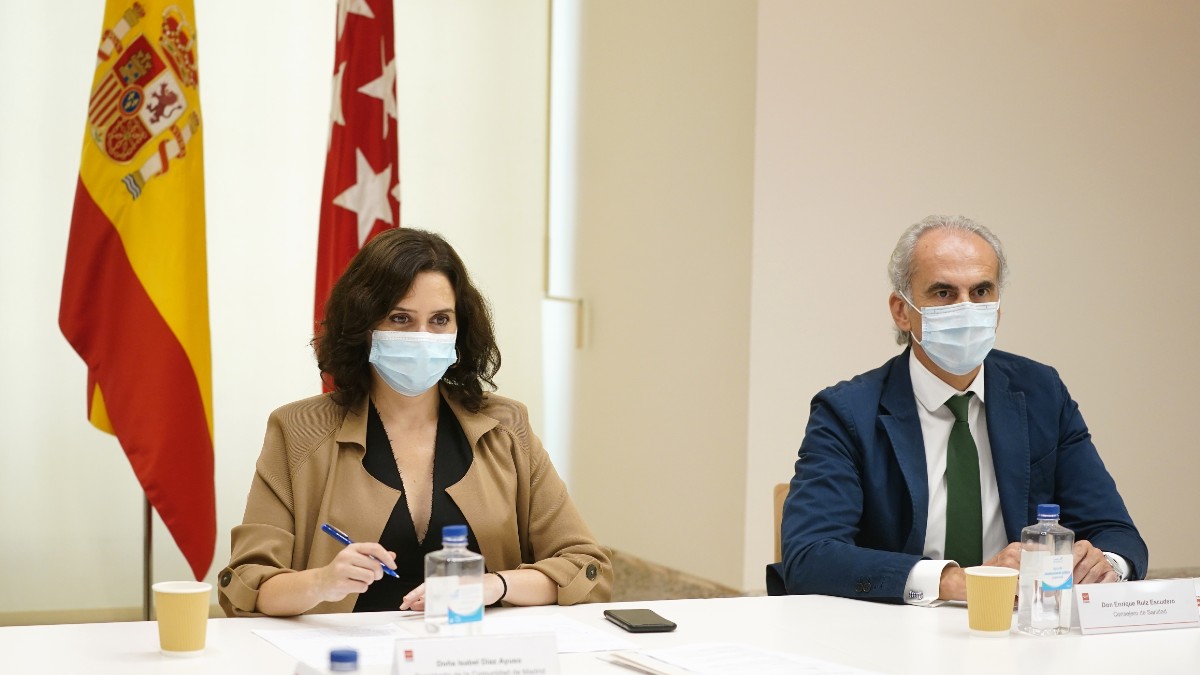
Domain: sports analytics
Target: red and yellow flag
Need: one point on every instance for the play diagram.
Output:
(135, 289)
(361, 194)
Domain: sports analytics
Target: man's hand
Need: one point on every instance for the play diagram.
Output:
(1009, 556)
(954, 579)
(1091, 567)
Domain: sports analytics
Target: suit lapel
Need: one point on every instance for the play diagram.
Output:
(898, 415)
(1008, 433)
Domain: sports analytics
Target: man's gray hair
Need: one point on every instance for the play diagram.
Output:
(900, 266)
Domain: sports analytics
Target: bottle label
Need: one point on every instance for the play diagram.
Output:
(1056, 573)
(466, 604)
(437, 594)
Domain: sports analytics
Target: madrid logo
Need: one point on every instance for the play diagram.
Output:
(141, 98)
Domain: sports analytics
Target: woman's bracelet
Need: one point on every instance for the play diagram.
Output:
(503, 583)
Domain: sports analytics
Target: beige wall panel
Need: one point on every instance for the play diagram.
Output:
(473, 128)
(1069, 128)
(663, 239)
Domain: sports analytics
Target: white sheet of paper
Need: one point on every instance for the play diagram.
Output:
(375, 644)
(734, 658)
(572, 636)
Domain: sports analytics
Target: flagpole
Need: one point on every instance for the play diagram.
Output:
(147, 558)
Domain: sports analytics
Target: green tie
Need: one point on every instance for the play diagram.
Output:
(964, 512)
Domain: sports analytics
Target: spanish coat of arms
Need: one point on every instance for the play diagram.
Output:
(139, 97)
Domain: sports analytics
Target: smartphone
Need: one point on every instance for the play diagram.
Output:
(639, 620)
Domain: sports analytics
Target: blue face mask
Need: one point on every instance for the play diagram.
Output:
(411, 363)
(958, 337)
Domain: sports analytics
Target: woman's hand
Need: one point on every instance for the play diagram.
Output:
(415, 600)
(493, 588)
(525, 587)
(351, 571)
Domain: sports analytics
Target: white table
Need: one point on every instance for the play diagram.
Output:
(884, 638)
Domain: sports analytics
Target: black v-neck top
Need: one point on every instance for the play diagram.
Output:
(451, 458)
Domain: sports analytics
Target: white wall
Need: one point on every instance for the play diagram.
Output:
(1069, 128)
(472, 81)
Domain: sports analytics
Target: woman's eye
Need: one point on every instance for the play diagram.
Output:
(441, 320)
(399, 318)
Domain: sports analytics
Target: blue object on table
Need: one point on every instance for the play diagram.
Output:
(341, 536)
(343, 660)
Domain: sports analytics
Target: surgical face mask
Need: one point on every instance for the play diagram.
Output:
(958, 337)
(411, 363)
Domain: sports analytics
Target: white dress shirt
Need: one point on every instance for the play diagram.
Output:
(937, 420)
(924, 581)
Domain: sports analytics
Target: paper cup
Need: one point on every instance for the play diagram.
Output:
(990, 595)
(182, 609)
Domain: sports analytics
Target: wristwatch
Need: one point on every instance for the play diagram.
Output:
(1116, 566)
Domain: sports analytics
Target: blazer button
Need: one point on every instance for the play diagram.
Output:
(591, 572)
(226, 577)
(866, 587)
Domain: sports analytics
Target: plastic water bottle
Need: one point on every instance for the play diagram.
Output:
(453, 586)
(1045, 587)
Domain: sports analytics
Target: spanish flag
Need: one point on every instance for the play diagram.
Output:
(135, 289)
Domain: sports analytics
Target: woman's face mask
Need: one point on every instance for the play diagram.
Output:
(411, 363)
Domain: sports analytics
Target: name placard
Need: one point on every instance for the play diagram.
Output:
(532, 654)
(1137, 605)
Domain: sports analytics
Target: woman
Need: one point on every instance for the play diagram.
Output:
(407, 442)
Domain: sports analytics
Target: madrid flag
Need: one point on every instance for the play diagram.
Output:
(361, 195)
(135, 288)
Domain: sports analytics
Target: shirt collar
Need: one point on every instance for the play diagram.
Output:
(930, 391)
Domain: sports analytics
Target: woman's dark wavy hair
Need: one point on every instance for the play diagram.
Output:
(376, 279)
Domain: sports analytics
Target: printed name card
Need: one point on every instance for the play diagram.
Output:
(1137, 605)
(531, 654)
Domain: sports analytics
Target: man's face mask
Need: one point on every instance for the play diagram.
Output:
(958, 337)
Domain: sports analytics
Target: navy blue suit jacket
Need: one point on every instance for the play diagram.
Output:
(854, 521)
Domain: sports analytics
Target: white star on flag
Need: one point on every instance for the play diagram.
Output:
(362, 165)
(368, 196)
(383, 88)
(336, 116)
(359, 7)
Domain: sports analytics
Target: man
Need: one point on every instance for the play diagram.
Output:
(937, 460)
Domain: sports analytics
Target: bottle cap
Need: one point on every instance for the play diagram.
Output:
(1047, 511)
(454, 534)
(343, 660)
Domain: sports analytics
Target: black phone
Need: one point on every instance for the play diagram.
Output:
(639, 620)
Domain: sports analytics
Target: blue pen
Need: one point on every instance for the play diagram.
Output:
(341, 536)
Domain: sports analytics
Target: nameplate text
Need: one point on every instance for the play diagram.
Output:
(532, 654)
(1137, 605)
